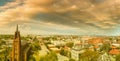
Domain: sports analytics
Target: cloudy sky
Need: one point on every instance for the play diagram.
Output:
(64, 17)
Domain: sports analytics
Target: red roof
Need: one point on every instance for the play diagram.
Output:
(96, 46)
(95, 41)
(114, 51)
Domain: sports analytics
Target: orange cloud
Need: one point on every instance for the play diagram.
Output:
(24, 12)
(38, 2)
(89, 13)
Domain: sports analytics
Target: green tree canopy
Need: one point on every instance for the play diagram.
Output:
(70, 44)
(105, 47)
(117, 57)
(89, 55)
(49, 57)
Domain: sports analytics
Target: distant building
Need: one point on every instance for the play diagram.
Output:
(19, 51)
(53, 48)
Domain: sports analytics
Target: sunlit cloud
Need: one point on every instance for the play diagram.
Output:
(62, 16)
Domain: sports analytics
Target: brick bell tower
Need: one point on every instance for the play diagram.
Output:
(16, 48)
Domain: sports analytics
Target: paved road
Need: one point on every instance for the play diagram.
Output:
(43, 50)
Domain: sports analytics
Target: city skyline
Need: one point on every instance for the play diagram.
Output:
(64, 17)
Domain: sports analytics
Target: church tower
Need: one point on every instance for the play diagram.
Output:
(16, 48)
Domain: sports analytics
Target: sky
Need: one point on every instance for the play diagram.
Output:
(60, 17)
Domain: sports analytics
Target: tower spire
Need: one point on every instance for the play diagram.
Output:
(17, 28)
(16, 49)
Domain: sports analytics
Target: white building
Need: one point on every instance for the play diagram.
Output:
(77, 50)
(75, 54)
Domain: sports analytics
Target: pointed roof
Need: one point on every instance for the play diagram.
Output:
(17, 33)
(17, 28)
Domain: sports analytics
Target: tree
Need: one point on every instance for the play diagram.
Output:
(31, 58)
(117, 57)
(70, 44)
(49, 57)
(105, 47)
(35, 47)
(89, 55)
(64, 52)
(71, 59)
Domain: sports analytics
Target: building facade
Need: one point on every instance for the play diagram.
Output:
(20, 51)
(16, 49)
